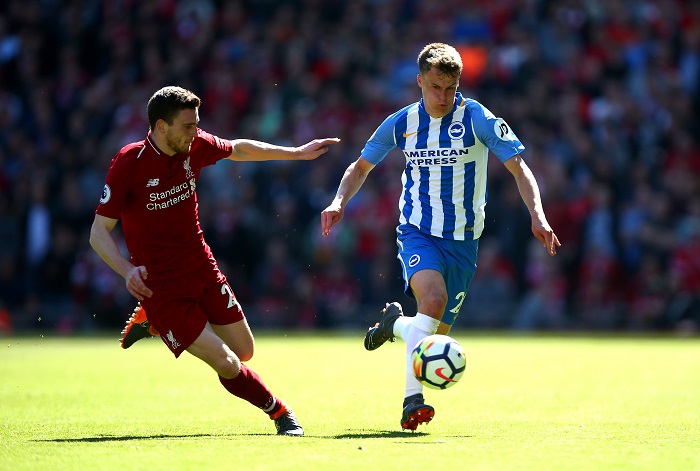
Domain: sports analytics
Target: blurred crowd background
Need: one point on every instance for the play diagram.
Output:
(605, 95)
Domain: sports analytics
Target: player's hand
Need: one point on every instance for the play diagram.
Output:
(329, 217)
(547, 237)
(316, 148)
(135, 283)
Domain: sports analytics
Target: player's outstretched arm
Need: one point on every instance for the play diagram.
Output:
(530, 193)
(248, 149)
(103, 243)
(355, 175)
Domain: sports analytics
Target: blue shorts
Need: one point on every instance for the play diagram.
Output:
(454, 259)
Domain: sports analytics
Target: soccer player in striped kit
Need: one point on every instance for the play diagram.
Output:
(446, 139)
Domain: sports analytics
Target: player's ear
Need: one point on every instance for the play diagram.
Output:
(419, 80)
(160, 125)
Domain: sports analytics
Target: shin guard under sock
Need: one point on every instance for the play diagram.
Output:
(249, 387)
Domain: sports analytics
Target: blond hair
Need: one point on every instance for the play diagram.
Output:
(443, 57)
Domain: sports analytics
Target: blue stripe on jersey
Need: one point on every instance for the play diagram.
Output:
(445, 140)
(448, 207)
(426, 217)
(422, 138)
(468, 138)
(469, 174)
(408, 202)
(400, 129)
(426, 220)
(447, 181)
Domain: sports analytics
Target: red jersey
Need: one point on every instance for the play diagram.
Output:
(155, 197)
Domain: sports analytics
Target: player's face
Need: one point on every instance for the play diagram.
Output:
(180, 134)
(438, 92)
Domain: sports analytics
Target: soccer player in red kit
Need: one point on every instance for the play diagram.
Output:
(151, 186)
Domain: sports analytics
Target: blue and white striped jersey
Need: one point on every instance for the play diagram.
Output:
(444, 183)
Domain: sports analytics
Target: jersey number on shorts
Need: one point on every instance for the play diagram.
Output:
(461, 296)
(226, 290)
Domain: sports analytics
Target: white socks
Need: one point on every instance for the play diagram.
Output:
(411, 330)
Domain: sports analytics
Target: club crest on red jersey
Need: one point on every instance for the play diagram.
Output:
(188, 170)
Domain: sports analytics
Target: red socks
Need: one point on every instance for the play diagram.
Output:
(248, 386)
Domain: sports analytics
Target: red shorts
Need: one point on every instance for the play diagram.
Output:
(180, 307)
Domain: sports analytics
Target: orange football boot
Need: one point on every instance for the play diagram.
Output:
(137, 328)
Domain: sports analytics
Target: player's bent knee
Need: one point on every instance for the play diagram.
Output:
(228, 367)
(434, 302)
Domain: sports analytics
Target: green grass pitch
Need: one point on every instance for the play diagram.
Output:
(524, 403)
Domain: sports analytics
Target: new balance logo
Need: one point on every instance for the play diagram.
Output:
(153, 182)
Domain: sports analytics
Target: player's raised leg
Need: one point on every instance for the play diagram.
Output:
(384, 329)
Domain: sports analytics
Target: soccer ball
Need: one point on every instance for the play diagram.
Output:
(438, 361)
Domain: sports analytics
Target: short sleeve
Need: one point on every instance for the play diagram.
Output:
(381, 142)
(116, 188)
(495, 133)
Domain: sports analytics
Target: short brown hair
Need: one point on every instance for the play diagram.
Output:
(443, 57)
(167, 102)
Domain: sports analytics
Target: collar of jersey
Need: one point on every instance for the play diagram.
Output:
(150, 143)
